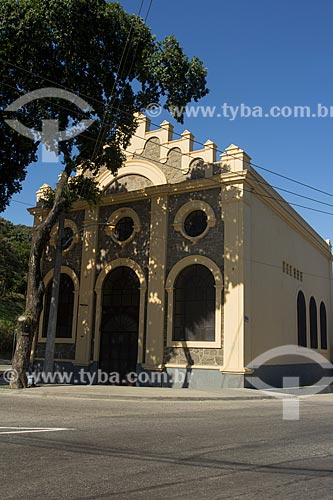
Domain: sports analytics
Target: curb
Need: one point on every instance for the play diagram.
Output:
(117, 397)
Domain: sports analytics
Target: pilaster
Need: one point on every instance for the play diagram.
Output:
(156, 282)
(234, 321)
(85, 322)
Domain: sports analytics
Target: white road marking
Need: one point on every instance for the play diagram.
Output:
(29, 430)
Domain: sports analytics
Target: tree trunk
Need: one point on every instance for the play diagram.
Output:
(28, 323)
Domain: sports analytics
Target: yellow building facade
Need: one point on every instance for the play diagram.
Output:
(188, 265)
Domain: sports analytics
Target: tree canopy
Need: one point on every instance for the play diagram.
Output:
(101, 54)
(96, 50)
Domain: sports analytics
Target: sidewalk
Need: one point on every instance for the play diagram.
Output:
(108, 392)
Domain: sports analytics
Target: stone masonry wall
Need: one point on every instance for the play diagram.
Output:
(72, 258)
(211, 246)
(137, 249)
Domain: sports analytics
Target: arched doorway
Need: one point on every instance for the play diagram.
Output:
(120, 322)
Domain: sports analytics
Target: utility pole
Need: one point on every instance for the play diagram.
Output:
(53, 312)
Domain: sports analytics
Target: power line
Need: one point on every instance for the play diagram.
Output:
(296, 181)
(244, 189)
(275, 266)
(245, 259)
(223, 170)
(22, 203)
(268, 264)
(219, 182)
(148, 11)
(122, 62)
(292, 192)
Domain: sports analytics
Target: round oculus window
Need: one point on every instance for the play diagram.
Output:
(195, 223)
(124, 229)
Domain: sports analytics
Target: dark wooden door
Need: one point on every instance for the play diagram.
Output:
(120, 320)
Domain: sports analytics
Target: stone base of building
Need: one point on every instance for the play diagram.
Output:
(196, 378)
(274, 376)
(69, 373)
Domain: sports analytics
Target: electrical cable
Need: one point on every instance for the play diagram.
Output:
(227, 171)
(195, 141)
(122, 62)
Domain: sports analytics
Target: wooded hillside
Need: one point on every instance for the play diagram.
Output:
(15, 241)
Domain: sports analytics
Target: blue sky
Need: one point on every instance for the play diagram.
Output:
(258, 53)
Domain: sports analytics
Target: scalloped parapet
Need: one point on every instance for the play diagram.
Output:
(167, 143)
(155, 157)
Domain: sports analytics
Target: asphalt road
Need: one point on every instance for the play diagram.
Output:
(152, 450)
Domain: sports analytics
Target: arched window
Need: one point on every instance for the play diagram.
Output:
(313, 324)
(301, 319)
(323, 326)
(65, 307)
(121, 288)
(194, 305)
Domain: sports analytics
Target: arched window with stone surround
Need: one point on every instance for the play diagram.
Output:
(194, 305)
